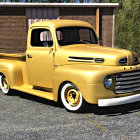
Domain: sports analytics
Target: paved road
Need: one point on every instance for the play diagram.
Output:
(26, 117)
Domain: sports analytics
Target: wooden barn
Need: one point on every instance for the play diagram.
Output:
(15, 19)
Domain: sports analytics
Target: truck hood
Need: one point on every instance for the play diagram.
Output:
(95, 54)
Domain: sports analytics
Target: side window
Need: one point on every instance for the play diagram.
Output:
(41, 38)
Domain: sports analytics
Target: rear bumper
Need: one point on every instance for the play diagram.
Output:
(118, 101)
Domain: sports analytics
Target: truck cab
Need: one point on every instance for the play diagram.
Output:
(65, 62)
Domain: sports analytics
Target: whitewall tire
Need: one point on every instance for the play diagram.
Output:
(72, 98)
(4, 85)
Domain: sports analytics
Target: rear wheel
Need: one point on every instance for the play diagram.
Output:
(72, 98)
(4, 85)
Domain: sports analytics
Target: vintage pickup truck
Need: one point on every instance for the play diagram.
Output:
(65, 62)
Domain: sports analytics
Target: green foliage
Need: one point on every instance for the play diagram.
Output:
(106, 1)
(127, 29)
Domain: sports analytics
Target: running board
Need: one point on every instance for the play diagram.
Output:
(29, 89)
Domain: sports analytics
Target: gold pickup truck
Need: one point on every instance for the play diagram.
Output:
(65, 62)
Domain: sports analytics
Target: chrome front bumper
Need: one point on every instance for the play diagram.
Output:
(118, 101)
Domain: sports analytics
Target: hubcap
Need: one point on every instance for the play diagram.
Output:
(72, 97)
(5, 84)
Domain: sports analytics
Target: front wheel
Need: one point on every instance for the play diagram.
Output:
(4, 85)
(72, 98)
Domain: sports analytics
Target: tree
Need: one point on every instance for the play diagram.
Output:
(127, 29)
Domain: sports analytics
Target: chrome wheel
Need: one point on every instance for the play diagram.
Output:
(4, 84)
(71, 97)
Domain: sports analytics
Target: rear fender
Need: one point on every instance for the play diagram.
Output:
(13, 72)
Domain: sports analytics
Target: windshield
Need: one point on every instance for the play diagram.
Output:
(76, 35)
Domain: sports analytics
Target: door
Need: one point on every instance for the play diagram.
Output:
(39, 54)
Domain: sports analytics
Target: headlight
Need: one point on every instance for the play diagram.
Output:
(109, 82)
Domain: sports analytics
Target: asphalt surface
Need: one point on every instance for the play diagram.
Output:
(26, 117)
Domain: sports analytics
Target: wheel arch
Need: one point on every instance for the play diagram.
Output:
(1, 73)
(5, 74)
(60, 87)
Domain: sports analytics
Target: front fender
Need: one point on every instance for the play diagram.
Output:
(88, 78)
(12, 70)
(79, 73)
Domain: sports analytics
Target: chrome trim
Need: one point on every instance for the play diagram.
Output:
(127, 82)
(127, 90)
(119, 101)
(127, 86)
(129, 73)
(81, 58)
(86, 59)
(76, 60)
(127, 78)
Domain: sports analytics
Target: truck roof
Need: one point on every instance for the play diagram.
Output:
(60, 23)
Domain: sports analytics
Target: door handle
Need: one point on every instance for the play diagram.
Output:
(29, 55)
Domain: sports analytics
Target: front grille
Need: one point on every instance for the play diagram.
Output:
(127, 82)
